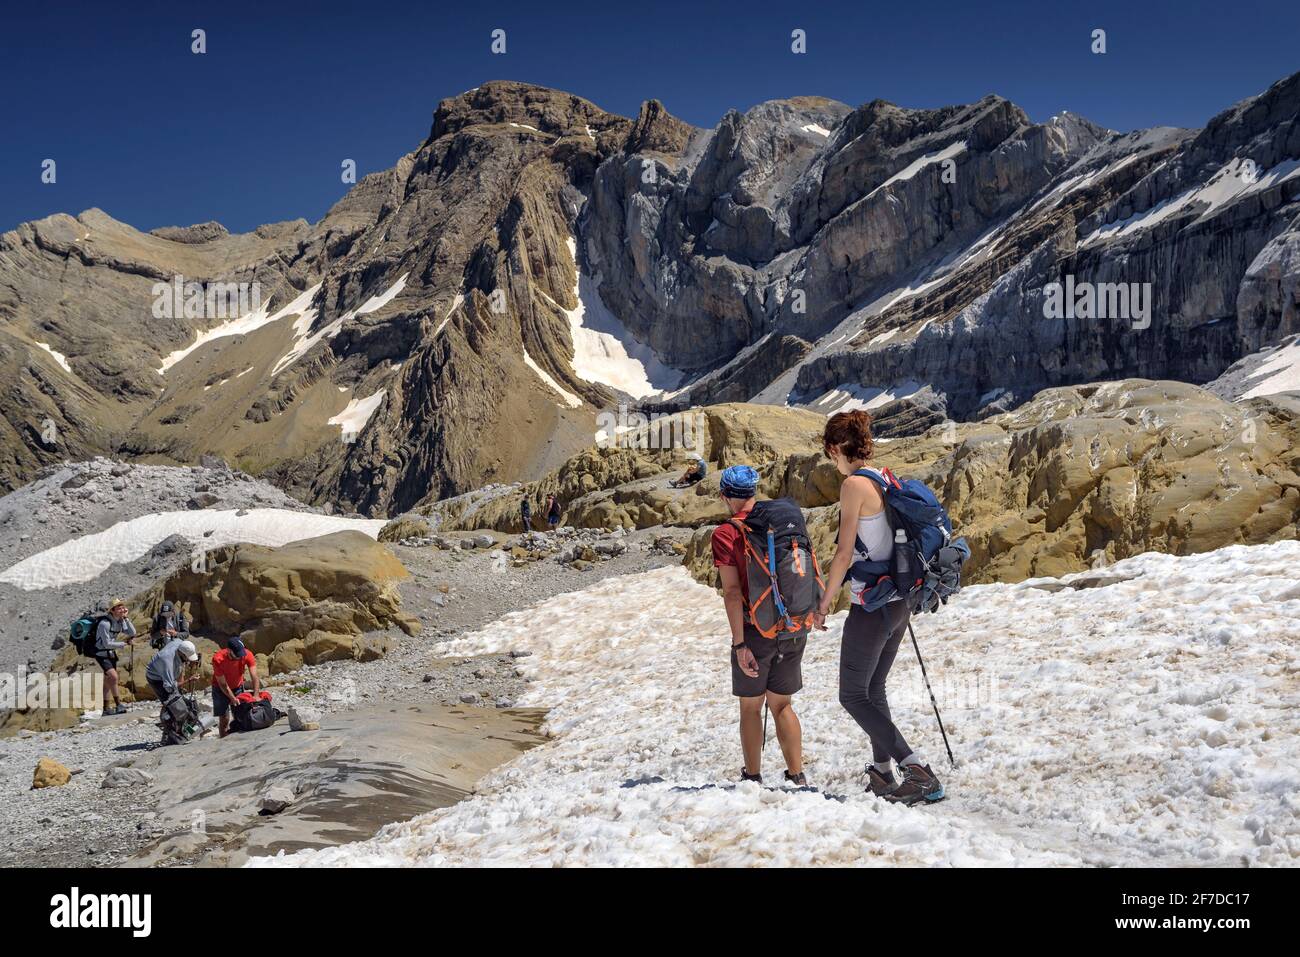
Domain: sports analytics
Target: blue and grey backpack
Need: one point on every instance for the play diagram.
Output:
(926, 568)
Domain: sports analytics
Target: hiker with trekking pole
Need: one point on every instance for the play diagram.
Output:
(895, 549)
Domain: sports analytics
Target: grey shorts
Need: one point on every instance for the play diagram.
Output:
(780, 665)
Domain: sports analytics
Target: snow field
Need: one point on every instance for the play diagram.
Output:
(1148, 721)
(84, 559)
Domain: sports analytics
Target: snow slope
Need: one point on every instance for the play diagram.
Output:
(59, 357)
(243, 325)
(85, 558)
(603, 350)
(1149, 721)
(1280, 372)
(357, 413)
(569, 399)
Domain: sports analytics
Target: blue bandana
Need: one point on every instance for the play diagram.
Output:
(739, 481)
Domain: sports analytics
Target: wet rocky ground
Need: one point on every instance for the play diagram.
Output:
(458, 585)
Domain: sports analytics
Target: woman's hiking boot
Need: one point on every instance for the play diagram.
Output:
(746, 776)
(919, 785)
(799, 780)
(881, 783)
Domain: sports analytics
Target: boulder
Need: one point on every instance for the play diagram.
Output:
(321, 646)
(405, 526)
(287, 656)
(302, 718)
(276, 798)
(126, 777)
(344, 583)
(50, 774)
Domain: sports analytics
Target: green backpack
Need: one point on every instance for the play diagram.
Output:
(82, 633)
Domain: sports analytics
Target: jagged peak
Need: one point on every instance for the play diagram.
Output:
(655, 130)
(523, 104)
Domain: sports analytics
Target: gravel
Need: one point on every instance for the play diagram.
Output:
(453, 590)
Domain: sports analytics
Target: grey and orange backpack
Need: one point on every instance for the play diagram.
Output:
(785, 581)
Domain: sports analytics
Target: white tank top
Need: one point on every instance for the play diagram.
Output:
(875, 533)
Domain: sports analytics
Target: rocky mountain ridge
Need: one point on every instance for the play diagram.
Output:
(462, 318)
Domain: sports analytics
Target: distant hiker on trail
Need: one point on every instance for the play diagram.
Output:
(228, 667)
(526, 513)
(552, 511)
(871, 638)
(167, 624)
(694, 472)
(164, 671)
(107, 642)
(765, 668)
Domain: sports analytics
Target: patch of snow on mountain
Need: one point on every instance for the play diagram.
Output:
(455, 304)
(306, 340)
(357, 413)
(603, 350)
(85, 558)
(814, 128)
(1234, 179)
(848, 396)
(950, 151)
(1280, 372)
(1145, 722)
(571, 400)
(242, 326)
(59, 357)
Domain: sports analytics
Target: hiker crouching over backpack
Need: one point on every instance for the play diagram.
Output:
(228, 667)
(108, 639)
(871, 637)
(765, 667)
(164, 671)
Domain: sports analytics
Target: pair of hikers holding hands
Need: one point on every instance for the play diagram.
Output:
(895, 552)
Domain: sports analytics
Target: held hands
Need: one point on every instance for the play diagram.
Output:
(745, 659)
(819, 616)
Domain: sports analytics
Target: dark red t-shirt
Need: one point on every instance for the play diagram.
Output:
(729, 549)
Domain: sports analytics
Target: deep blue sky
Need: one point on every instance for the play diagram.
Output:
(254, 130)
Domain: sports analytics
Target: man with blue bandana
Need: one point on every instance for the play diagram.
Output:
(762, 669)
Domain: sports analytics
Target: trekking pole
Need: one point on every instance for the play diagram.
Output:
(934, 704)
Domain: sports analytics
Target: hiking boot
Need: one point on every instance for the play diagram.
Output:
(919, 785)
(881, 783)
(120, 709)
(799, 780)
(746, 776)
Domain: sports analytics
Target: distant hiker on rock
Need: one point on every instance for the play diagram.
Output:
(108, 639)
(768, 635)
(694, 472)
(167, 624)
(871, 637)
(526, 513)
(228, 667)
(164, 671)
(552, 511)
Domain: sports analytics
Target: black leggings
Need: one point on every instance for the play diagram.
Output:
(867, 653)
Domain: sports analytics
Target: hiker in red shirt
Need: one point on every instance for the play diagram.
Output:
(758, 672)
(228, 667)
